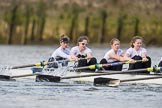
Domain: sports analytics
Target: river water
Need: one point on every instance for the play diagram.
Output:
(22, 94)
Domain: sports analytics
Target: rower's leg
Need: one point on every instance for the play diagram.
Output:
(63, 63)
(117, 68)
(137, 65)
(104, 61)
(147, 63)
(160, 64)
(82, 62)
(92, 61)
(52, 65)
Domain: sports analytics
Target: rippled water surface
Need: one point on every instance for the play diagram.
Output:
(28, 94)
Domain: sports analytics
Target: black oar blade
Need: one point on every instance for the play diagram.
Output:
(6, 78)
(47, 78)
(100, 81)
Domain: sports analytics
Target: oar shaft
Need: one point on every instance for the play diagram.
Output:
(98, 66)
(23, 66)
(115, 72)
(138, 79)
(26, 75)
(100, 73)
(122, 72)
(31, 65)
(43, 63)
(80, 76)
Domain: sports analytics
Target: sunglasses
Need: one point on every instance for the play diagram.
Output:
(84, 44)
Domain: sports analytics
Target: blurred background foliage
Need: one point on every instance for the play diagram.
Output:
(42, 21)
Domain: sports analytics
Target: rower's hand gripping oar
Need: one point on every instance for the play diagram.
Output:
(98, 66)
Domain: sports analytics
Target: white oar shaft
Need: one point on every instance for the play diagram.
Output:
(26, 75)
(100, 73)
(138, 79)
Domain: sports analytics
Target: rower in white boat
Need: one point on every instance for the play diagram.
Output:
(137, 52)
(61, 53)
(59, 57)
(82, 54)
(115, 54)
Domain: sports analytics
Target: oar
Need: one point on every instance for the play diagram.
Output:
(116, 82)
(43, 63)
(8, 78)
(98, 66)
(57, 78)
(39, 77)
(31, 65)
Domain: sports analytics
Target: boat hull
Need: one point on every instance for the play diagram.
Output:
(117, 76)
(16, 72)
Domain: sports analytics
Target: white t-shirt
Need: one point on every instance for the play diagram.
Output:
(59, 52)
(76, 51)
(132, 52)
(107, 57)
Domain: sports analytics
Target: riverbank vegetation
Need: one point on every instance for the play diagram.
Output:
(42, 21)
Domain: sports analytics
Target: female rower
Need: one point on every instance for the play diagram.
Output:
(115, 54)
(61, 53)
(82, 51)
(137, 52)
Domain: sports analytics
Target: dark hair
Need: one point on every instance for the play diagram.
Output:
(134, 40)
(64, 38)
(113, 39)
(81, 38)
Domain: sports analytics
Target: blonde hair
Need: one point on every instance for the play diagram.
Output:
(134, 40)
(113, 40)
